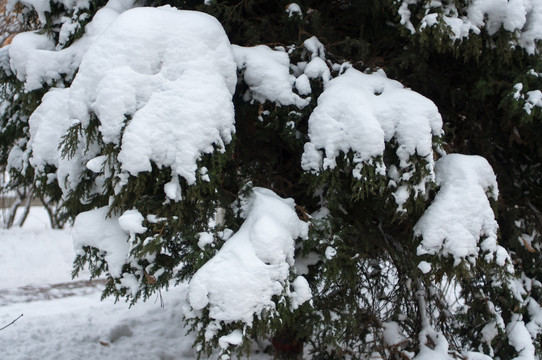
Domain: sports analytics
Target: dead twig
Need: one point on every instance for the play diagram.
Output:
(11, 323)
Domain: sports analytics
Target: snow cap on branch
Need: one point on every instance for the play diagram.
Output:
(461, 215)
(267, 74)
(361, 112)
(254, 264)
(160, 82)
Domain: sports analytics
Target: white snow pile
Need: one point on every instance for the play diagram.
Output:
(171, 72)
(361, 112)
(254, 265)
(267, 74)
(460, 221)
(522, 17)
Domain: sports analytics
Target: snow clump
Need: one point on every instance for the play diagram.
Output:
(521, 17)
(461, 214)
(267, 74)
(254, 264)
(160, 82)
(361, 112)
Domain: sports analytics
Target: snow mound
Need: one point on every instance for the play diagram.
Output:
(361, 112)
(160, 82)
(461, 214)
(254, 264)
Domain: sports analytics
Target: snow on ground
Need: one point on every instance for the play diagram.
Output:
(64, 319)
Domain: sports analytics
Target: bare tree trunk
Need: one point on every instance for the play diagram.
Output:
(52, 212)
(27, 204)
(12, 212)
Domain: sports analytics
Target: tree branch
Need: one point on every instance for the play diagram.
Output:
(11, 323)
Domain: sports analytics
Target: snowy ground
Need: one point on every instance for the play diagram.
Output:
(64, 318)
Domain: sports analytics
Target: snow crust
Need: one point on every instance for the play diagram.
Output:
(254, 264)
(460, 221)
(523, 17)
(361, 112)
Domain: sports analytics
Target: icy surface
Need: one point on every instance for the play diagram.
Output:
(267, 74)
(360, 112)
(460, 221)
(254, 264)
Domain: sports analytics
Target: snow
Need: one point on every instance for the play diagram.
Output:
(131, 222)
(317, 68)
(315, 47)
(173, 189)
(43, 6)
(461, 215)
(176, 86)
(424, 266)
(34, 58)
(437, 352)
(521, 17)
(205, 239)
(22, 260)
(235, 338)
(301, 292)
(267, 74)
(254, 264)
(330, 252)
(520, 339)
(64, 319)
(293, 9)
(80, 326)
(392, 333)
(361, 112)
(94, 228)
(303, 85)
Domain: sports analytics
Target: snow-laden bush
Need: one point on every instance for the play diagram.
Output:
(308, 201)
